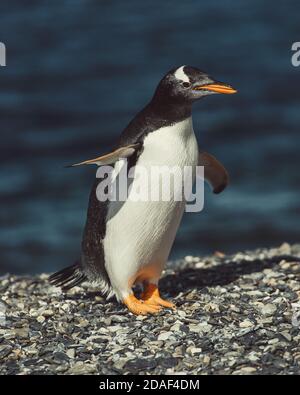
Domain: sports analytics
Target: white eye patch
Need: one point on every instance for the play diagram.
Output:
(180, 74)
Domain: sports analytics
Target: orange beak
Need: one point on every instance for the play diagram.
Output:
(219, 88)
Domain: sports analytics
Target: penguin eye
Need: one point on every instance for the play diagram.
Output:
(186, 84)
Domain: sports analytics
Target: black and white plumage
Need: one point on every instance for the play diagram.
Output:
(129, 242)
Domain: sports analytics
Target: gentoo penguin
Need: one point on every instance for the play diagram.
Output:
(127, 243)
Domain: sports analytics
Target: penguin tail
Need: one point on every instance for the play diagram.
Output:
(68, 278)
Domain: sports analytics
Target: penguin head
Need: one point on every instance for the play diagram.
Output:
(187, 84)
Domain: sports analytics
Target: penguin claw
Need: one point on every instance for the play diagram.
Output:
(151, 297)
(160, 302)
(138, 307)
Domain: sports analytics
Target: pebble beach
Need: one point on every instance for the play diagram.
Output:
(237, 314)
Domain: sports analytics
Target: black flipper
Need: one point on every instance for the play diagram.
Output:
(68, 278)
(214, 172)
(112, 157)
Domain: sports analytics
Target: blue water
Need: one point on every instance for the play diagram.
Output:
(77, 72)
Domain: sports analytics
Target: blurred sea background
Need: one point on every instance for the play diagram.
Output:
(78, 71)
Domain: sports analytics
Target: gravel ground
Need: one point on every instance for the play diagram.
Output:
(235, 315)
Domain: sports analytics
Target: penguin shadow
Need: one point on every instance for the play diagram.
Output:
(223, 274)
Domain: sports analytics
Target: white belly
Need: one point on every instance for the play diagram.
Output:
(140, 234)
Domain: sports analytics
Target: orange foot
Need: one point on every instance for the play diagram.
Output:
(139, 307)
(151, 297)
